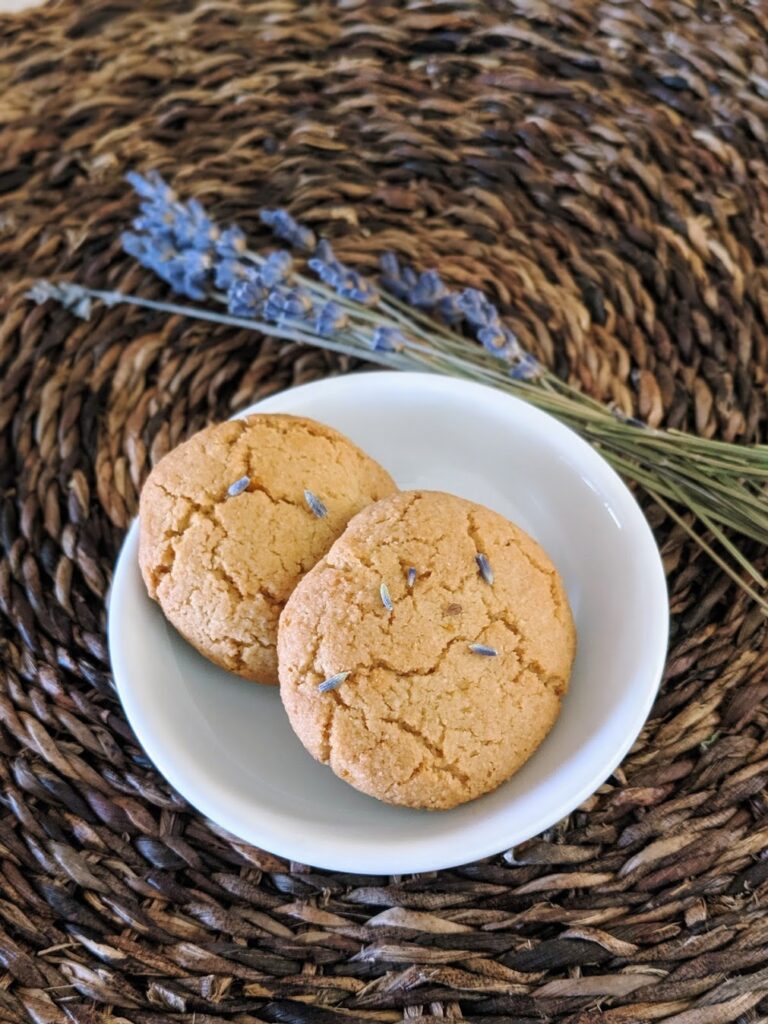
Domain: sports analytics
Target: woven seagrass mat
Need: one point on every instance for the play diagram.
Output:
(602, 170)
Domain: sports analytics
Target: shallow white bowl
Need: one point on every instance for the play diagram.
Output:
(226, 744)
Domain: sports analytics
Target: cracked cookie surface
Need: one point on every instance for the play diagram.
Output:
(223, 567)
(421, 720)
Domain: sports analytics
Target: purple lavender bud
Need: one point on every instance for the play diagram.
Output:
(358, 289)
(284, 226)
(491, 338)
(500, 341)
(387, 339)
(400, 281)
(201, 229)
(512, 348)
(246, 297)
(392, 278)
(150, 186)
(187, 224)
(324, 252)
(229, 271)
(389, 264)
(298, 303)
(276, 268)
(187, 273)
(155, 220)
(294, 303)
(527, 368)
(141, 248)
(410, 278)
(477, 309)
(326, 266)
(449, 310)
(428, 290)
(348, 283)
(231, 243)
(330, 319)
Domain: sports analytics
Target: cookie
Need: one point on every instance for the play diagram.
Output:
(425, 657)
(233, 518)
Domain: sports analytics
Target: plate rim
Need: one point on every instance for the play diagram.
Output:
(420, 855)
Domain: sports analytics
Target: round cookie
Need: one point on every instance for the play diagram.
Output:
(230, 521)
(424, 718)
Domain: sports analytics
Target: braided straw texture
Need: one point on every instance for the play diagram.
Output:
(601, 169)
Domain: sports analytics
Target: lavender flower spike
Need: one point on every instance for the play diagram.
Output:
(284, 226)
(425, 291)
(245, 297)
(288, 303)
(449, 310)
(231, 244)
(396, 279)
(429, 290)
(228, 271)
(165, 220)
(277, 267)
(186, 271)
(350, 284)
(478, 310)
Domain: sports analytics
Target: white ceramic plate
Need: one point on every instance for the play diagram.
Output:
(226, 745)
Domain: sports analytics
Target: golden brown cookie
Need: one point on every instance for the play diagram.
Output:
(232, 519)
(449, 692)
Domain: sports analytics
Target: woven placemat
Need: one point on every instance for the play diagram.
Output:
(602, 170)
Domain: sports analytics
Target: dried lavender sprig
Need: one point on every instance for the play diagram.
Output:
(181, 244)
(684, 459)
(287, 229)
(423, 291)
(333, 682)
(427, 290)
(433, 361)
(582, 416)
(60, 292)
